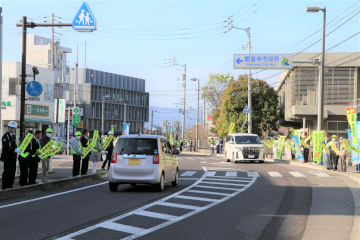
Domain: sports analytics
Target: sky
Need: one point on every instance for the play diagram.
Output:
(142, 38)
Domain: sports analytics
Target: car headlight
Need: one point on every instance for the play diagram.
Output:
(239, 148)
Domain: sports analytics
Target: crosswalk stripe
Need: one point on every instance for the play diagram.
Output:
(231, 174)
(167, 204)
(275, 174)
(297, 174)
(319, 174)
(155, 215)
(253, 174)
(212, 187)
(218, 183)
(197, 198)
(188, 173)
(210, 173)
(224, 179)
(245, 178)
(121, 227)
(208, 192)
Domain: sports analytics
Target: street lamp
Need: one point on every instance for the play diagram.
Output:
(197, 114)
(102, 115)
(320, 119)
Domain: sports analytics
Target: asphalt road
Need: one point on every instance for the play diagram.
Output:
(214, 200)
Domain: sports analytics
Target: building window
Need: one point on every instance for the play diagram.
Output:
(48, 92)
(338, 128)
(12, 86)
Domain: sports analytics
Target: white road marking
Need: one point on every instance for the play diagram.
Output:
(188, 173)
(231, 174)
(253, 174)
(52, 195)
(203, 186)
(167, 204)
(163, 203)
(319, 174)
(245, 178)
(121, 227)
(275, 174)
(224, 179)
(210, 173)
(196, 198)
(207, 192)
(155, 215)
(297, 174)
(180, 178)
(203, 162)
(218, 183)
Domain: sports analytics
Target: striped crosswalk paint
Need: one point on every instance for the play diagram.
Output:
(231, 174)
(188, 173)
(319, 174)
(275, 174)
(297, 174)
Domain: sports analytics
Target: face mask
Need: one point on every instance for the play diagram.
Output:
(78, 137)
(48, 134)
(11, 130)
(88, 134)
(333, 139)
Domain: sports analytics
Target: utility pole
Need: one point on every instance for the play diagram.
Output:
(152, 119)
(166, 124)
(68, 132)
(52, 42)
(23, 78)
(204, 114)
(230, 27)
(184, 85)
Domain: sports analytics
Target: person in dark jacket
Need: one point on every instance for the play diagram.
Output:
(181, 144)
(306, 150)
(8, 156)
(109, 151)
(45, 162)
(85, 143)
(24, 163)
(34, 150)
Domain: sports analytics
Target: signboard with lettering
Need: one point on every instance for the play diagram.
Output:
(37, 110)
(62, 108)
(262, 61)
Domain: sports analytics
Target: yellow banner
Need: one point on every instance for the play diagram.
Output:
(231, 128)
(304, 144)
(270, 143)
(355, 149)
(25, 142)
(47, 147)
(267, 144)
(326, 149)
(317, 145)
(280, 146)
(107, 141)
(334, 148)
(346, 144)
(351, 116)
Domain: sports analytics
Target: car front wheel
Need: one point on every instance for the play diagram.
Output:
(160, 186)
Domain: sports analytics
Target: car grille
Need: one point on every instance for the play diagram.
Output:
(251, 151)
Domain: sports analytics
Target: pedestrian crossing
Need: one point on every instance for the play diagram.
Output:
(298, 174)
(211, 189)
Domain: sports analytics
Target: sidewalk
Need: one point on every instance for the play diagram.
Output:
(349, 169)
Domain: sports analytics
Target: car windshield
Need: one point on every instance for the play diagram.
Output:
(247, 140)
(146, 146)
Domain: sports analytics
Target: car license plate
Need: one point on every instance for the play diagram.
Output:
(134, 161)
(251, 156)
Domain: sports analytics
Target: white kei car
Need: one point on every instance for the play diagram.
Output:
(143, 159)
(241, 147)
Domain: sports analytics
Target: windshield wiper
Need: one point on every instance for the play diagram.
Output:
(121, 151)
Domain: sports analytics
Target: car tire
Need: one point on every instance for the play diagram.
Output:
(227, 160)
(261, 161)
(160, 186)
(133, 184)
(113, 186)
(233, 157)
(176, 181)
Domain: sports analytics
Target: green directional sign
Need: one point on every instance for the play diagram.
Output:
(75, 116)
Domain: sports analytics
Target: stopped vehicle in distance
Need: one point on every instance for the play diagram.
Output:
(244, 147)
(143, 159)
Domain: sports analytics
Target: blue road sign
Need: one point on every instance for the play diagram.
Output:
(239, 61)
(84, 19)
(246, 109)
(34, 88)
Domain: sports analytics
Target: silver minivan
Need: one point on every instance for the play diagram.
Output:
(143, 159)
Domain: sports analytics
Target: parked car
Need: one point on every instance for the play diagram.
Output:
(63, 141)
(144, 159)
(240, 147)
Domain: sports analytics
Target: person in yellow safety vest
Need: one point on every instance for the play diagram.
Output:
(77, 151)
(34, 159)
(95, 154)
(45, 162)
(24, 163)
(85, 141)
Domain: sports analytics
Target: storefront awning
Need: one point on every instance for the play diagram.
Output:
(37, 120)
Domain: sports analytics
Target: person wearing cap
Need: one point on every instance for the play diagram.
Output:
(24, 163)
(108, 152)
(33, 150)
(325, 157)
(77, 151)
(342, 155)
(334, 158)
(221, 142)
(8, 156)
(95, 154)
(85, 141)
(212, 145)
(45, 162)
(305, 149)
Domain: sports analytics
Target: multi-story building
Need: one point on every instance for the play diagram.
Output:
(95, 86)
(298, 92)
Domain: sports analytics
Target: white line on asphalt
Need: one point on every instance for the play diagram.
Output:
(218, 183)
(210, 173)
(245, 178)
(197, 198)
(188, 173)
(168, 204)
(319, 174)
(253, 174)
(275, 174)
(224, 179)
(155, 215)
(52, 195)
(180, 178)
(203, 186)
(121, 227)
(208, 192)
(297, 174)
(231, 174)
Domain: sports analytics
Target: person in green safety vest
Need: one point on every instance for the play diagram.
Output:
(77, 151)
(34, 159)
(24, 163)
(85, 141)
(45, 162)
(95, 154)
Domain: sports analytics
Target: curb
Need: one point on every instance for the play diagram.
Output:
(16, 192)
(354, 176)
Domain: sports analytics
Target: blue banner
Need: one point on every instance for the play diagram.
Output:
(126, 129)
(354, 156)
(298, 146)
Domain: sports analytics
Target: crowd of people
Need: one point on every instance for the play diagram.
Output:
(29, 157)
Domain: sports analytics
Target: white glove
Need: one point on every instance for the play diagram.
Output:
(106, 152)
(17, 150)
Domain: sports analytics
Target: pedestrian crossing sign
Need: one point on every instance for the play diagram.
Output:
(246, 109)
(84, 19)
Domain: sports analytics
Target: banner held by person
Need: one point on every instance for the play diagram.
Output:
(26, 142)
(47, 147)
(333, 147)
(351, 116)
(298, 148)
(326, 149)
(108, 140)
(231, 128)
(281, 145)
(317, 145)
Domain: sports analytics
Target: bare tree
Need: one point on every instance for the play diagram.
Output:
(265, 128)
